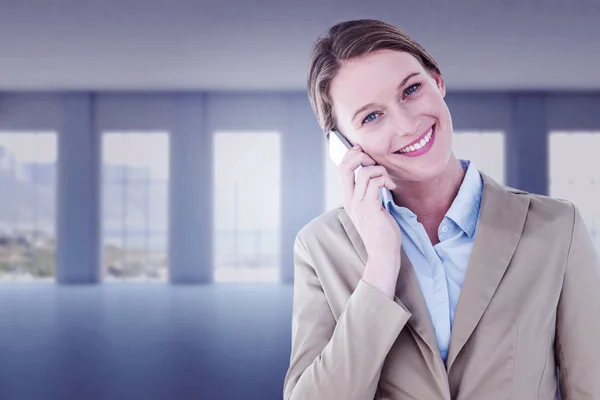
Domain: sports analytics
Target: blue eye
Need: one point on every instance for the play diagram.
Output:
(370, 118)
(411, 89)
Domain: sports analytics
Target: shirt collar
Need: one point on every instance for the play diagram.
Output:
(464, 210)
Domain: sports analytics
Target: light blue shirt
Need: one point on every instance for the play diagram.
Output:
(440, 269)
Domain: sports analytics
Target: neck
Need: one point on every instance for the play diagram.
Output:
(431, 199)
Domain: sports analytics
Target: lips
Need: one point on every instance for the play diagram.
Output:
(422, 141)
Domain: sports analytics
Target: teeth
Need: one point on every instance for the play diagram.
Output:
(420, 144)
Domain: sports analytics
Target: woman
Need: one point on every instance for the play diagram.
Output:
(456, 287)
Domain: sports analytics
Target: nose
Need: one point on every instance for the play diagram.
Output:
(405, 124)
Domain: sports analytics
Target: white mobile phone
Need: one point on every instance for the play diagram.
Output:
(338, 147)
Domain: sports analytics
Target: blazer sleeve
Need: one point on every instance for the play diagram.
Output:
(340, 360)
(578, 318)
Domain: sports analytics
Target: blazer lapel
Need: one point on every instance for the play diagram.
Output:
(408, 292)
(501, 220)
(354, 236)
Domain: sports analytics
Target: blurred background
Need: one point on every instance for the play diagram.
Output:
(157, 159)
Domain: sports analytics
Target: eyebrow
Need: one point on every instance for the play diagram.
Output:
(363, 108)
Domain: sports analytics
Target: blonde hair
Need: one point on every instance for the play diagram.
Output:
(348, 40)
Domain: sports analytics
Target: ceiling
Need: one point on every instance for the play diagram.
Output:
(164, 45)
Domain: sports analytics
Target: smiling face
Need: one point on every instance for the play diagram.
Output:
(387, 102)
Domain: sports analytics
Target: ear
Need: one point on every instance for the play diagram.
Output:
(439, 81)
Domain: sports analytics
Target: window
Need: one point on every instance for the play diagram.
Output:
(135, 206)
(247, 175)
(574, 174)
(27, 205)
(484, 149)
(333, 186)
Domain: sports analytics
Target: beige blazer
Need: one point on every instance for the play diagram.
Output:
(530, 304)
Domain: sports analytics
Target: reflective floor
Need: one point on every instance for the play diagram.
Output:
(144, 341)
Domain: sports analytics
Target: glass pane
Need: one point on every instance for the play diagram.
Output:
(113, 247)
(45, 206)
(113, 173)
(136, 168)
(157, 256)
(113, 206)
(155, 158)
(136, 205)
(575, 174)
(27, 205)
(25, 209)
(128, 263)
(158, 206)
(247, 206)
(484, 149)
(114, 157)
(138, 256)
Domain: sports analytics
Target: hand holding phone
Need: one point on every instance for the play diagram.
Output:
(362, 184)
(338, 147)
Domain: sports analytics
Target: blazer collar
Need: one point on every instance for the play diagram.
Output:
(499, 227)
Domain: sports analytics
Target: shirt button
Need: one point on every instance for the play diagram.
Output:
(444, 229)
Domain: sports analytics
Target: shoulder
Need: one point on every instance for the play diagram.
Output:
(326, 245)
(323, 227)
(547, 211)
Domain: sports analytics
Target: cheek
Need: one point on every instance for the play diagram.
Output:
(435, 107)
(376, 146)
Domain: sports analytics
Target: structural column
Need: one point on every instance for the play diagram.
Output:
(191, 194)
(78, 191)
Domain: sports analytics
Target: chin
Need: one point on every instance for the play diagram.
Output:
(416, 171)
(426, 175)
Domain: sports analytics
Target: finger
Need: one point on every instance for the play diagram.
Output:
(347, 185)
(372, 193)
(374, 188)
(355, 158)
(351, 161)
(365, 175)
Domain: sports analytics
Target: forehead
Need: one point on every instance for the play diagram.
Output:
(366, 79)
